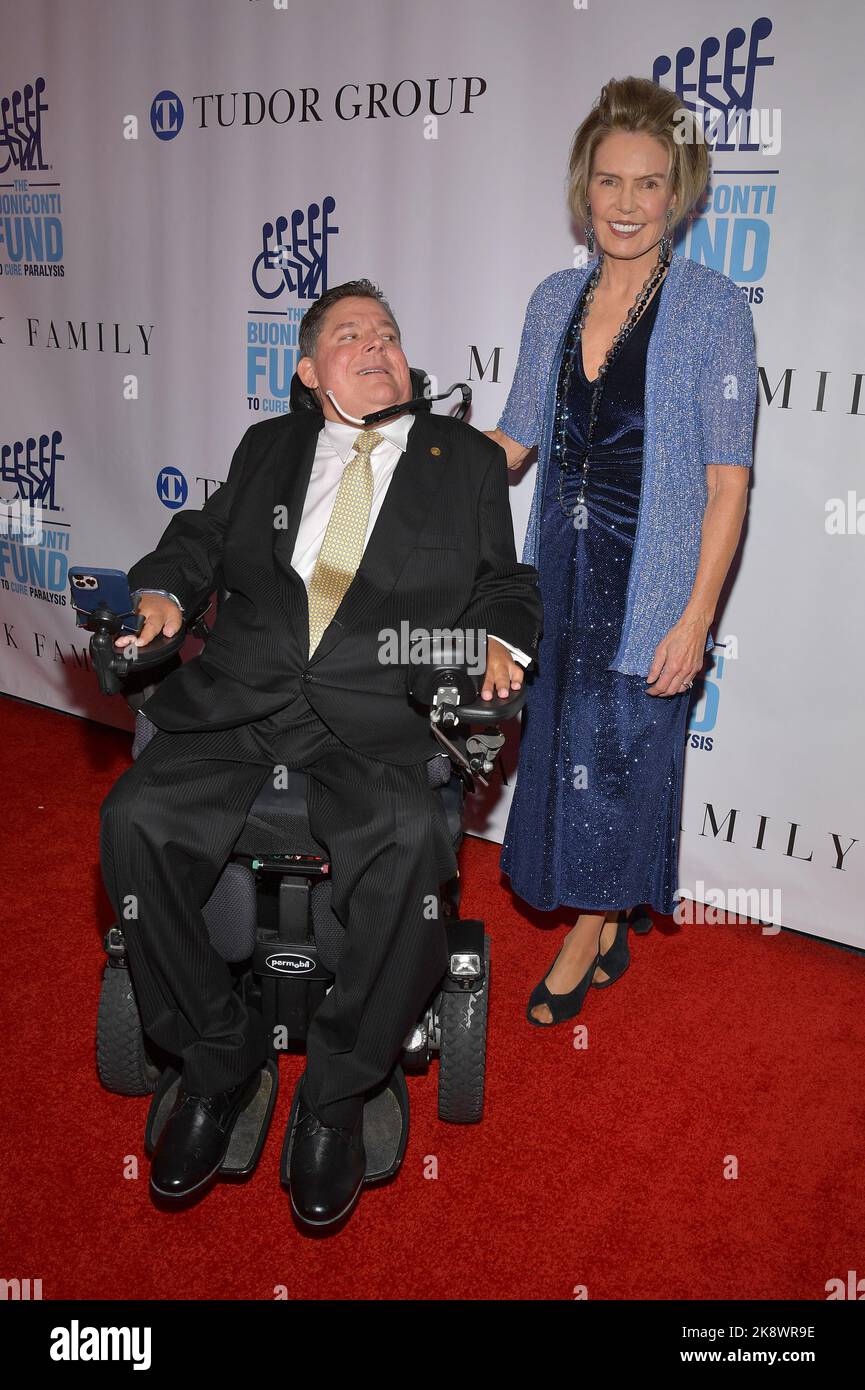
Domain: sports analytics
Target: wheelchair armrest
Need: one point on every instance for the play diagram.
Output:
(113, 667)
(452, 696)
(493, 711)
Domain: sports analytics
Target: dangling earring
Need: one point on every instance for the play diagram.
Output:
(665, 248)
(590, 235)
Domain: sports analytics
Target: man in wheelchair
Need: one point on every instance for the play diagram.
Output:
(329, 537)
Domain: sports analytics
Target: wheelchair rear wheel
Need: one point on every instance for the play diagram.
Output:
(122, 1058)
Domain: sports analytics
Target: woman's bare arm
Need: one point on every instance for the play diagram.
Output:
(679, 657)
(722, 526)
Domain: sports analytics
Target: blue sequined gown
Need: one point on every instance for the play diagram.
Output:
(595, 816)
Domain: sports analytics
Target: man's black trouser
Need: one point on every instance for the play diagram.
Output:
(167, 828)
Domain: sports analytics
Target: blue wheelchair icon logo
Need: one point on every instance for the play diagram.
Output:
(171, 488)
(166, 115)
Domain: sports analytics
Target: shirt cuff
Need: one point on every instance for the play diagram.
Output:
(163, 592)
(515, 652)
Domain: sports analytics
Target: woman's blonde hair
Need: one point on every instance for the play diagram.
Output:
(637, 104)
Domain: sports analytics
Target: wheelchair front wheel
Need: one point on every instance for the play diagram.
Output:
(122, 1058)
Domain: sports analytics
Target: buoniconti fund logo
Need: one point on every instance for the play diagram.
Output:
(289, 271)
(722, 87)
(34, 539)
(31, 230)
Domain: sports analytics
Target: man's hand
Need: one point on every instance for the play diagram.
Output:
(160, 616)
(503, 674)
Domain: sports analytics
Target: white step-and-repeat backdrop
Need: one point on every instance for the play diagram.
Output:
(180, 179)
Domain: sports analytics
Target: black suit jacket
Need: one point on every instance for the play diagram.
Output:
(441, 555)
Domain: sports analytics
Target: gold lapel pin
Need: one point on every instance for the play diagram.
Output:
(435, 452)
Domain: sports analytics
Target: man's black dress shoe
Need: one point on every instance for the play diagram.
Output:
(328, 1163)
(195, 1138)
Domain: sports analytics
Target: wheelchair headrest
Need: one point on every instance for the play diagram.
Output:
(301, 398)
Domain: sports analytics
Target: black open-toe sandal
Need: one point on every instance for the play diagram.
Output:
(616, 960)
(561, 1006)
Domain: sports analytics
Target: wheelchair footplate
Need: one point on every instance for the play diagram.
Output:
(385, 1129)
(250, 1127)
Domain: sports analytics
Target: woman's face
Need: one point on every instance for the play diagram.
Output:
(629, 193)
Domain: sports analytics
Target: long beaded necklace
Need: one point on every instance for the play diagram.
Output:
(571, 347)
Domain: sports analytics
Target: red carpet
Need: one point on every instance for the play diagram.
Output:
(601, 1168)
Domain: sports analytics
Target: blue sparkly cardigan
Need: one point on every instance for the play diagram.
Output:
(700, 399)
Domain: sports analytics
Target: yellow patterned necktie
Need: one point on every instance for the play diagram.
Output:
(342, 547)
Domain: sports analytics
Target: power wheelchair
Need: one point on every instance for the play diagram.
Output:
(269, 915)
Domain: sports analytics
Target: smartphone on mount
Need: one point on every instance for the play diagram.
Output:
(102, 588)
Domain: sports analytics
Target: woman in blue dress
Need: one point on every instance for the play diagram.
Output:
(637, 381)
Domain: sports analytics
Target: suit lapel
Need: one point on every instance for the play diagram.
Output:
(291, 480)
(413, 487)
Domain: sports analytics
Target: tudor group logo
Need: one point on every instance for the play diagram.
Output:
(172, 488)
(719, 86)
(166, 115)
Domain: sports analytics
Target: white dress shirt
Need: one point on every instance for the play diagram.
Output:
(334, 449)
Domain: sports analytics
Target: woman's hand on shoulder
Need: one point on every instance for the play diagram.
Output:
(514, 452)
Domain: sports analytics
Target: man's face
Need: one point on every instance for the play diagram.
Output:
(358, 357)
